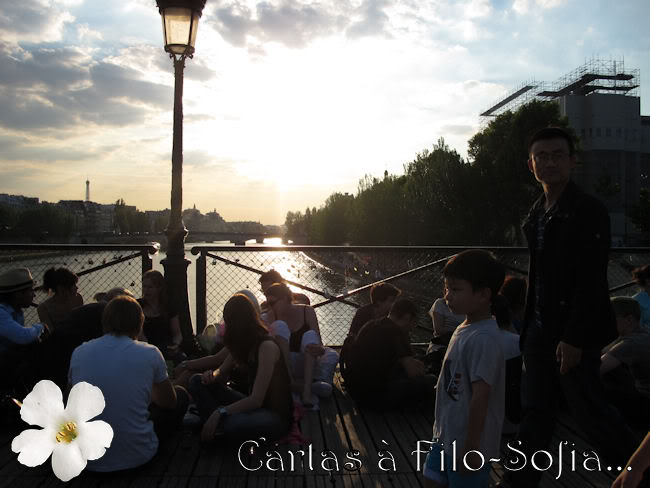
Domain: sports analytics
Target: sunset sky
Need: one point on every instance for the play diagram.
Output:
(285, 101)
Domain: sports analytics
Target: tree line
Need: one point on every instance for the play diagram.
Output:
(442, 198)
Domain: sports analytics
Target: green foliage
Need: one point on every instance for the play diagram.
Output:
(44, 221)
(129, 219)
(606, 187)
(640, 213)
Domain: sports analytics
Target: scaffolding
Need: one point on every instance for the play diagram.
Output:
(594, 76)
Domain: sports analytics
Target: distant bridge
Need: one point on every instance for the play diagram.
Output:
(237, 238)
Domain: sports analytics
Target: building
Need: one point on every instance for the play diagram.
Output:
(18, 202)
(600, 99)
(89, 217)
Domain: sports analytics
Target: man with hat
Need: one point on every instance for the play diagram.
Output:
(16, 293)
(17, 354)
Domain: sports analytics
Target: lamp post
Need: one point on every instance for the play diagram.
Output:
(180, 20)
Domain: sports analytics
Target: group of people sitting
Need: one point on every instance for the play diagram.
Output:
(271, 358)
(273, 354)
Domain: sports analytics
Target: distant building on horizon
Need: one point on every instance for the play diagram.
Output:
(600, 99)
(18, 202)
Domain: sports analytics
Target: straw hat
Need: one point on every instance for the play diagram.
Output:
(16, 279)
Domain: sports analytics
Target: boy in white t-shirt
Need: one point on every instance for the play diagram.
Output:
(471, 386)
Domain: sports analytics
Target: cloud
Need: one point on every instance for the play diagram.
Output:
(522, 7)
(62, 87)
(296, 24)
(33, 21)
(457, 130)
(373, 20)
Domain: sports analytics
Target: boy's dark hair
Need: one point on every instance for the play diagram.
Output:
(641, 275)
(271, 275)
(548, 133)
(480, 268)
(123, 316)
(514, 289)
(55, 277)
(382, 291)
(403, 307)
(626, 306)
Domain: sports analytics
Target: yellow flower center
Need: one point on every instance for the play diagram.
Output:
(68, 433)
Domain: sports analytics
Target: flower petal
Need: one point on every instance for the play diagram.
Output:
(34, 446)
(94, 438)
(44, 405)
(67, 460)
(85, 402)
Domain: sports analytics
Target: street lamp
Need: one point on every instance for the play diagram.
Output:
(180, 20)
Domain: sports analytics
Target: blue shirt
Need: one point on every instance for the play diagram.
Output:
(13, 330)
(125, 371)
(644, 301)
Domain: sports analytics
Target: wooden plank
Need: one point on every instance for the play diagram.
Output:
(384, 440)
(185, 456)
(358, 437)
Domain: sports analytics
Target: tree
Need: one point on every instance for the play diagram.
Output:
(640, 213)
(499, 153)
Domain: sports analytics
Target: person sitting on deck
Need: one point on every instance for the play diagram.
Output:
(161, 325)
(625, 364)
(61, 283)
(311, 365)
(471, 388)
(381, 372)
(642, 277)
(142, 405)
(444, 321)
(81, 325)
(17, 342)
(267, 411)
(382, 297)
(271, 277)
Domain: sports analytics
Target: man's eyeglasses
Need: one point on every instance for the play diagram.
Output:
(545, 157)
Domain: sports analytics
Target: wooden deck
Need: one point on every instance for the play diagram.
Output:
(339, 427)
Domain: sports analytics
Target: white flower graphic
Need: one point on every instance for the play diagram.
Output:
(67, 433)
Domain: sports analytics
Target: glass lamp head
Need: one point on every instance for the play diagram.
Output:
(180, 20)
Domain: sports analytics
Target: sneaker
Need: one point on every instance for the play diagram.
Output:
(191, 417)
(321, 389)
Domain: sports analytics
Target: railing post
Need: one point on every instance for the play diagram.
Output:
(201, 292)
(147, 262)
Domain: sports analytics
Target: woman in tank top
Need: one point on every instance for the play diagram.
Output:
(296, 327)
(267, 410)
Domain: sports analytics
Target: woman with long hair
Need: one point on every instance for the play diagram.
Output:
(161, 325)
(296, 327)
(61, 285)
(267, 410)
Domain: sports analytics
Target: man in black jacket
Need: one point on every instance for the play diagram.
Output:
(568, 317)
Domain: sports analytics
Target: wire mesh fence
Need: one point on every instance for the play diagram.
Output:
(337, 280)
(99, 268)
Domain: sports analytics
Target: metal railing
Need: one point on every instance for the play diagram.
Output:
(336, 279)
(99, 267)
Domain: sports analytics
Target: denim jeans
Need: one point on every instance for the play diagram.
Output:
(241, 426)
(541, 389)
(166, 421)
